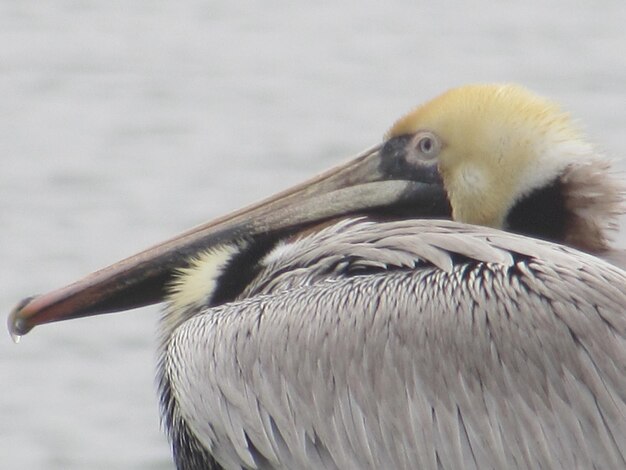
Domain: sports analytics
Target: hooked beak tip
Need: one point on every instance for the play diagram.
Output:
(17, 322)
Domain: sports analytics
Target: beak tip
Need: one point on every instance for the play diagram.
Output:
(17, 322)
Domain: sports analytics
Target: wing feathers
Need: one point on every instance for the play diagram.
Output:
(472, 349)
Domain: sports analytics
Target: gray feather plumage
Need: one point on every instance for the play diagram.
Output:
(410, 344)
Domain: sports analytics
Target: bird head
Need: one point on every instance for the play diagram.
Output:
(510, 159)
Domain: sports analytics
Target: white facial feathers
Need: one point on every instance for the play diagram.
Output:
(195, 284)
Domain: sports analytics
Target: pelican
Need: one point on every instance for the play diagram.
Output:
(443, 301)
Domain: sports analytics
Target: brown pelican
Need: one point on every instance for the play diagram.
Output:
(337, 325)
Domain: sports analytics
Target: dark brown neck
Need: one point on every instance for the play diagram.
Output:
(541, 214)
(580, 208)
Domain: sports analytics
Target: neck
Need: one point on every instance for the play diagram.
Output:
(541, 214)
(579, 208)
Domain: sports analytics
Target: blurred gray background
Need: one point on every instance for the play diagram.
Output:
(124, 122)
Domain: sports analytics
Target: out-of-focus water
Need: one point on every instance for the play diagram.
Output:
(122, 123)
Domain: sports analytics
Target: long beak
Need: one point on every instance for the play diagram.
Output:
(366, 185)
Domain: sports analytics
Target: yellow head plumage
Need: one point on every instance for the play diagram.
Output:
(496, 144)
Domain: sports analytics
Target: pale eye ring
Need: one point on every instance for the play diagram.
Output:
(428, 144)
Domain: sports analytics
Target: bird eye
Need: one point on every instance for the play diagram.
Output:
(428, 144)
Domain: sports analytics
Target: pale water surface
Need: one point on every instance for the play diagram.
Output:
(123, 122)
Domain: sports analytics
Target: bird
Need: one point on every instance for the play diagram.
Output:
(449, 299)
